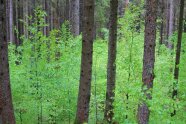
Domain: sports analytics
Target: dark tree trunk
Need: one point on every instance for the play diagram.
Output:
(6, 106)
(15, 17)
(20, 24)
(45, 18)
(86, 63)
(148, 58)
(25, 14)
(111, 67)
(56, 15)
(185, 25)
(67, 10)
(80, 15)
(178, 52)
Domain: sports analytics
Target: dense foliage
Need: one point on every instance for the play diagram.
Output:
(45, 74)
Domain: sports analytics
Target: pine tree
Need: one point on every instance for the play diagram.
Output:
(82, 113)
(111, 66)
(6, 106)
(148, 59)
(178, 54)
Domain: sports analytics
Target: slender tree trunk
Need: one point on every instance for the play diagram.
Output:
(56, 15)
(161, 3)
(6, 106)
(20, 24)
(178, 52)
(74, 17)
(171, 23)
(15, 16)
(185, 25)
(11, 23)
(164, 21)
(7, 18)
(47, 8)
(86, 63)
(67, 10)
(45, 18)
(148, 59)
(80, 15)
(111, 67)
(25, 14)
(51, 15)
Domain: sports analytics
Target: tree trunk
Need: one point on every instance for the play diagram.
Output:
(121, 7)
(56, 15)
(6, 106)
(171, 23)
(111, 67)
(15, 16)
(80, 15)
(7, 18)
(185, 25)
(47, 8)
(25, 14)
(86, 63)
(161, 13)
(178, 52)
(20, 24)
(11, 23)
(148, 58)
(74, 17)
(67, 10)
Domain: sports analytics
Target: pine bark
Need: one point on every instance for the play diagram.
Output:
(148, 59)
(74, 17)
(111, 66)
(25, 14)
(185, 24)
(178, 54)
(161, 13)
(80, 15)
(20, 23)
(67, 10)
(9, 16)
(11, 23)
(47, 8)
(6, 106)
(171, 23)
(86, 63)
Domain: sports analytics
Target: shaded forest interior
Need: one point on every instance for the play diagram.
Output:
(92, 62)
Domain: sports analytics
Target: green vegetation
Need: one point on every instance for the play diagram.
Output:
(45, 73)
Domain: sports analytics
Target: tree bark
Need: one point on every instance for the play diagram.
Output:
(171, 23)
(6, 106)
(148, 59)
(111, 67)
(161, 13)
(25, 14)
(47, 8)
(7, 18)
(185, 25)
(178, 52)
(67, 10)
(86, 63)
(80, 15)
(56, 15)
(74, 17)
(11, 23)
(20, 23)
